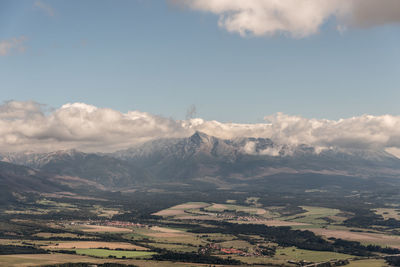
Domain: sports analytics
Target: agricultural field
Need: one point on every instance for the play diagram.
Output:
(292, 253)
(162, 235)
(180, 209)
(323, 221)
(63, 235)
(271, 216)
(389, 213)
(105, 212)
(197, 232)
(212, 211)
(315, 216)
(42, 259)
(235, 208)
(101, 228)
(367, 263)
(94, 244)
(57, 258)
(174, 247)
(108, 253)
(363, 237)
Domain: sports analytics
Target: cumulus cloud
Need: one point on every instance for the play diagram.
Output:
(299, 18)
(13, 44)
(27, 126)
(44, 7)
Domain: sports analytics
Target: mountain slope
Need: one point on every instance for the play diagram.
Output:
(21, 179)
(102, 169)
(201, 155)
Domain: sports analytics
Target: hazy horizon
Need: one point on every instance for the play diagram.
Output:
(30, 126)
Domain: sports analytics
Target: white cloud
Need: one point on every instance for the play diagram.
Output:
(26, 126)
(13, 44)
(395, 151)
(45, 8)
(299, 18)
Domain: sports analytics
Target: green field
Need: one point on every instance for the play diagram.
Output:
(367, 263)
(105, 253)
(313, 215)
(296, 254)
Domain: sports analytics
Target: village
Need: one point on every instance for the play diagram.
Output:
(109, 223)
(259, 251)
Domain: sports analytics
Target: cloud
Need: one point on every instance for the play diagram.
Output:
(44, 7)
(299, 18)
(369, 13)
(26, 126)
(13, 44)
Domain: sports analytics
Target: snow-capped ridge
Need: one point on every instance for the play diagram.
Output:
(37, 160)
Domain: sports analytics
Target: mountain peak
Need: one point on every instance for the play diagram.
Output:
(200, 138)
(201, 134)
(69, 152)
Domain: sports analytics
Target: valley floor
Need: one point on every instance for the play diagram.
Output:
(243, 231)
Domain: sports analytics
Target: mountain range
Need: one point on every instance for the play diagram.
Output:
(198, 158)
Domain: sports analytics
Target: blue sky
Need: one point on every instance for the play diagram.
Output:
(160, 58)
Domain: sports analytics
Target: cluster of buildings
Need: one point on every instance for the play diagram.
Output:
(230, 216)
(212, 248)
(123, 224)
(110, 223)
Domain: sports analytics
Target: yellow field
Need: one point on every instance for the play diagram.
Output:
(180, 209)
(100, 228)
(236, 208)
(389, 213)
(371, 238)
(56, 258)
(165, 230)
(167, 237)
(42, 259)
(170, 212)
(191, 205)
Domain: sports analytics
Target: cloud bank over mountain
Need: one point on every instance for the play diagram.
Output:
(299, 18)
(28, 126)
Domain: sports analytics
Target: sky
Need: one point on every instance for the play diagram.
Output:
(163, 57)
(243, 67)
